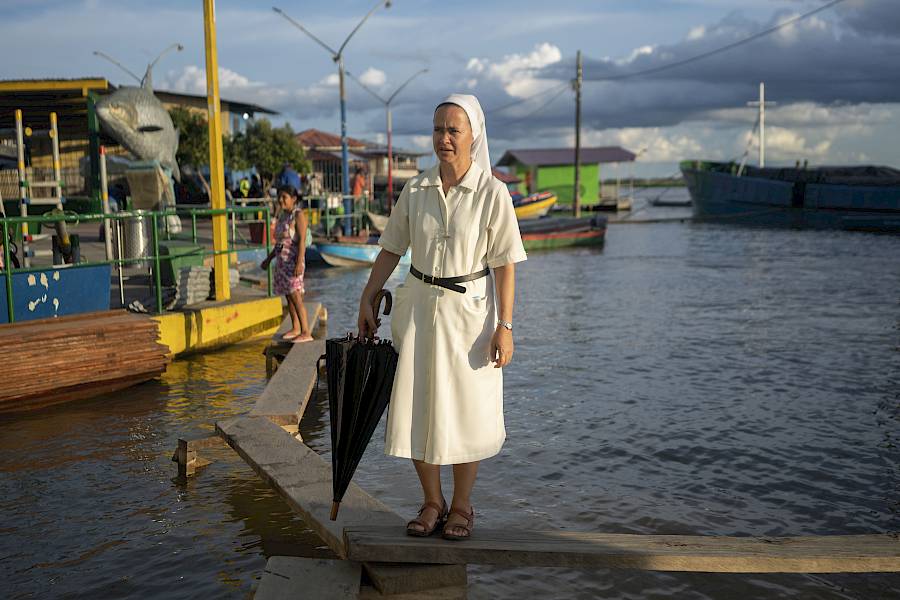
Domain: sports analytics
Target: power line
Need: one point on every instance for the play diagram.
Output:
(526, 98)
(535, 111)
(721, 49)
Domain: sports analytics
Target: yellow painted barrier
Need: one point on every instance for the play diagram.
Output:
(217, 326)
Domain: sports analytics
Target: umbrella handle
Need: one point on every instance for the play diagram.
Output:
(376, 302)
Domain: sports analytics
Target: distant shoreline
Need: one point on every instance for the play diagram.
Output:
(648, 183)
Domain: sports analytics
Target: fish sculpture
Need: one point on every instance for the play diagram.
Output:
(137, 120)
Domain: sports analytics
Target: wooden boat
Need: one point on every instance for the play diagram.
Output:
(352, 254)
(863, 198)
(534, 206)
(562, 232)
(51, 361)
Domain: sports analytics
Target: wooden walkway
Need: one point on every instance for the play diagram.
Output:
(401, 567)
(707, 554)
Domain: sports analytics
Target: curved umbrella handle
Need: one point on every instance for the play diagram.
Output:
(376, 302)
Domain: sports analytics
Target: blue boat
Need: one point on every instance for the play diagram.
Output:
(864, 198)
(351, 254)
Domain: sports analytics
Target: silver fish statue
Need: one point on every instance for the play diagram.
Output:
(136, 119)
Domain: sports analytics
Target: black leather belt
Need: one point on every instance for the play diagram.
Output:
(449, 283)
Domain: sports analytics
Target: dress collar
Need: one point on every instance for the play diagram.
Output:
(432, 177)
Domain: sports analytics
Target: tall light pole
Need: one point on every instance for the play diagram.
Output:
(338, 57)
(387, 105)
(579, 76)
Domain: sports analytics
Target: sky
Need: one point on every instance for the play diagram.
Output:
(835, 77)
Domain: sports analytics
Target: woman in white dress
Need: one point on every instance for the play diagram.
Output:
(452, 318)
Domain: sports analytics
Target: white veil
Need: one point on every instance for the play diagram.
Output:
(470, 104)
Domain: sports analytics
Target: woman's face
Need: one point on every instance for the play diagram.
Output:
(452, 137)
(286, 201)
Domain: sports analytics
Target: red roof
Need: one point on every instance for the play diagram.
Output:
(505, 177)
(317, 139)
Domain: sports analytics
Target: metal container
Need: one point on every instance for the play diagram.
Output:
(133, 239)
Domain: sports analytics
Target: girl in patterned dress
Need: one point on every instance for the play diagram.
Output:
(290, 248)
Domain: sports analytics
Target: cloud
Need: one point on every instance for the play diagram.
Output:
(192, 80)
(373, 77)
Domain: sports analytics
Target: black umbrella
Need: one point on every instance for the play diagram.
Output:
(360, 379)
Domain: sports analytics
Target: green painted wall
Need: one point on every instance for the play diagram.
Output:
(561, 180)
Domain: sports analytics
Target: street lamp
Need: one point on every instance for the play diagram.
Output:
(338, 57)
(387, 105)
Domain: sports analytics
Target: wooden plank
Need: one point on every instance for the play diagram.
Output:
(288, 391)
(709, 554)
(295, 578)
(303, 479)
(459, 592)
(399, 578)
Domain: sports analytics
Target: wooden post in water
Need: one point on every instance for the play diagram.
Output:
(578, 79)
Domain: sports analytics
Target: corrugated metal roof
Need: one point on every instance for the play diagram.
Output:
(566, 156)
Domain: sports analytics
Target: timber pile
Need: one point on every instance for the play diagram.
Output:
(50, 361)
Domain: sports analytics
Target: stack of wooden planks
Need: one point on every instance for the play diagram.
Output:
(50, 361)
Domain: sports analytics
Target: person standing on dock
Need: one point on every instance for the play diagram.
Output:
(447, 401)
(291, 239)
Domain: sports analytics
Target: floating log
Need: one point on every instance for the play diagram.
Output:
(51, 361)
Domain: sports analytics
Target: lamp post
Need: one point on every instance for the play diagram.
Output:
(338, 57)
(387, 105)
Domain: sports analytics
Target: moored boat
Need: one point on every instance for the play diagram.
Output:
(534, 206)
(562, 232)
(352, 254)
(863, 198)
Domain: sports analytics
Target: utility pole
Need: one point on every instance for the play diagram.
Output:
(577, 84)
(338, 57)
(216, 167)
(390, 128)
(761, 103)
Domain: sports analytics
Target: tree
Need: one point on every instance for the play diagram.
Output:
(193, 141)
(267, 148)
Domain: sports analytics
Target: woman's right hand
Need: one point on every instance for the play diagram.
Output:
(367, 323)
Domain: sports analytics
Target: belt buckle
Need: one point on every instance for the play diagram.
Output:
(429, 279)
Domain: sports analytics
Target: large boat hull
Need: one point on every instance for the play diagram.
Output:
(717, 193)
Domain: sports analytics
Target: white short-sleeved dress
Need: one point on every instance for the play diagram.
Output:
(447, 401)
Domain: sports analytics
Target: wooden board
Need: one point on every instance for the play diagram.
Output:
(710, 554)
(294, 578)
(303, 479)
(51, 361)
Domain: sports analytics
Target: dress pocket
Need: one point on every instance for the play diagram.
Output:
(400, 314)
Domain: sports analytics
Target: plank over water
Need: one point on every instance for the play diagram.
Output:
(285, 397)
(709, 554)
(294, 578)
(303, 479)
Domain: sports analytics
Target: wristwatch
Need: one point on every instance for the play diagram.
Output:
(504, 324)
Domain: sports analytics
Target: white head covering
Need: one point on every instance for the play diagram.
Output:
(470, 104)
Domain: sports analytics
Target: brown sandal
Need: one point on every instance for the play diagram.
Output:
(425, 532)
(468, 527)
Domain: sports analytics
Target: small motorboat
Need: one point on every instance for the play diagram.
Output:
(562, 232)
(533, 206)
(352, 254)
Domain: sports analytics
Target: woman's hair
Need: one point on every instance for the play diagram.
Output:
(291, 191)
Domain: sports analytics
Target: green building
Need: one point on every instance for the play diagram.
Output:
(553, 170)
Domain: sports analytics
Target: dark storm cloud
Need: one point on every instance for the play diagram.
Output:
(824, 60)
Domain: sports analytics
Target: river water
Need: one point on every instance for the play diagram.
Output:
(686, 379)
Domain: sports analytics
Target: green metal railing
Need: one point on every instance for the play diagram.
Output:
(154, 216)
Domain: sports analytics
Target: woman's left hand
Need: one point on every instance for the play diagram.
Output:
(501, 347)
